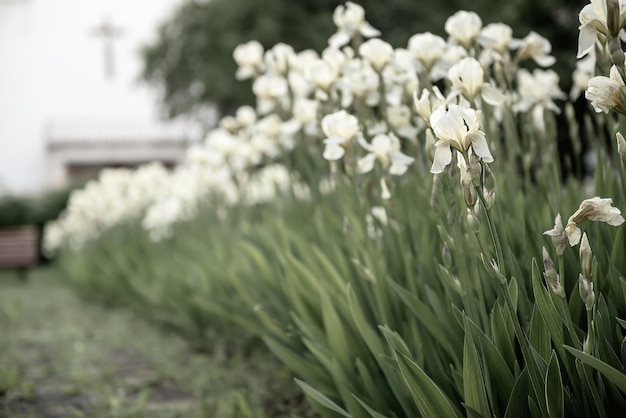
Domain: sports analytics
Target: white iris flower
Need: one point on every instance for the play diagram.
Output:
(386, 149)
(459, 128)
(339, 127)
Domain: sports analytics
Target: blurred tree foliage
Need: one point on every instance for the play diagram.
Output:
(24, 210)
(192, 63)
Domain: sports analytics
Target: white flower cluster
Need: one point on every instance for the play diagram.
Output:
(480, 66)
(601, 33)
(361, 103)
(594, 209)
(360, 89)
(217, 169)
(117, 195)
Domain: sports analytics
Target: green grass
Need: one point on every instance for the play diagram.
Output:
(63, 357)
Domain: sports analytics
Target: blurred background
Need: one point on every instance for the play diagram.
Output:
(91, 84)
(70, 91)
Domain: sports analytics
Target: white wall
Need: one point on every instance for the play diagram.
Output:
(52, 68)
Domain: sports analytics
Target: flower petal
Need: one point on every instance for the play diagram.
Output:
(443, 157)
(492, 95)
(544, 60)
(333, 152)
(366, 164)
(339, 39)
(385, 193)
(586, 40)
(368, 30)
(400, 163)
(480, 147)
(573, 233)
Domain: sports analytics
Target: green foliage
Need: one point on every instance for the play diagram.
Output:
(17, 211)
(387, 326)
(21, 210)
(50, 205)
(421, 315)
(192, 58)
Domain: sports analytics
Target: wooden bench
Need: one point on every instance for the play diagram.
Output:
(19, 248)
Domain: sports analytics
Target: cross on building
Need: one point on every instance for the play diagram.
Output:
(108, 32)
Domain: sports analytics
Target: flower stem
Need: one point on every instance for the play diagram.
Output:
(492, 231)
(535, 375)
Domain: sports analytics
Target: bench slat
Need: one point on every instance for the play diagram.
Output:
(18, 246)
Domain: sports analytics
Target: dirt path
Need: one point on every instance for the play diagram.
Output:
(61, 357)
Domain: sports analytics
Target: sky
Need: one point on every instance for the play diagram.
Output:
(52, 68)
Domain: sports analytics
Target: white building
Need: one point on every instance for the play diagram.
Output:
(70, 99)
